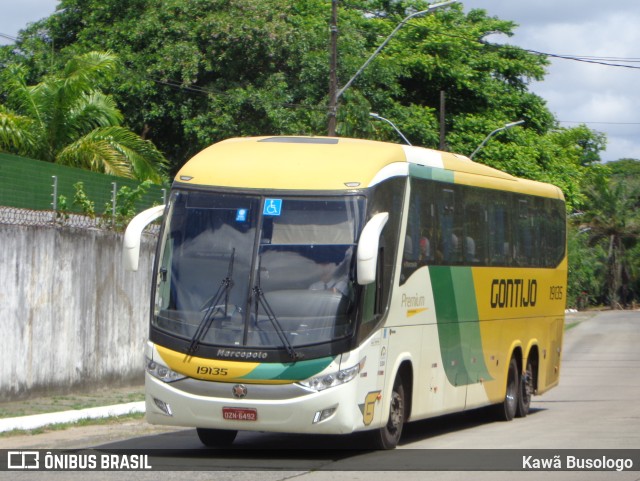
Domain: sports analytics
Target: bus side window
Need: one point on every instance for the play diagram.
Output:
(420, 242)
(554, 232)
(387, 197)
(450, 223)
(500, 231)
(523, 233)
(475, 228)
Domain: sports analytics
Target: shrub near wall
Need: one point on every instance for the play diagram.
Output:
(71, 317)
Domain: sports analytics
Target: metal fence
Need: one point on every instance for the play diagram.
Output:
(36, 185)
(33, 192)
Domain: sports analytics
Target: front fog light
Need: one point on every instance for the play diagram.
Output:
(162, 372)
(324, 414)
(163, 406)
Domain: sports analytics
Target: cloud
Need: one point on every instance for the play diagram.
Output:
(17, 14)
(577, 91)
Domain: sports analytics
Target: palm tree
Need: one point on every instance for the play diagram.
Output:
(66, 119)
(612, 217)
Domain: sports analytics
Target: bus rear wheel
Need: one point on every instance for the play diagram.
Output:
(526, 391)
(388, 436)
(506, 410)
(216, 438)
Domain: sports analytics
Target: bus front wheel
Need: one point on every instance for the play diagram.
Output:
(216, 438)
(388, 436)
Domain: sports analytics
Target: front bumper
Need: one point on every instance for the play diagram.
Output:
(287, 408)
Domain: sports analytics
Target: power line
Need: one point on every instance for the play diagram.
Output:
(596, 122)
(606, 61)
(8, 37)
(586, 59)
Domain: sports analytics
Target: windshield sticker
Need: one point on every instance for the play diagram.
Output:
(272, 207)
(241, 215)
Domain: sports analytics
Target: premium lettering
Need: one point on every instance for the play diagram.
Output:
(413, 301)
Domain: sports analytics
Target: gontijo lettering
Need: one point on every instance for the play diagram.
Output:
(507, 293)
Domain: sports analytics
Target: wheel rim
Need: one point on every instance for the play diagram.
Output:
(512, 391)
(527, 385)
(396, 414)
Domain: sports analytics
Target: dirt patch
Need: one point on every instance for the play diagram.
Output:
(82, 437)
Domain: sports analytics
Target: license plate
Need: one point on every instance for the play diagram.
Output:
(240, 414)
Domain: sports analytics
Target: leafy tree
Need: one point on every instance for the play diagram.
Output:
(586, 277)
(197, 71)
(626, 170)
(67, 120)
(612, 218)
(202, 70)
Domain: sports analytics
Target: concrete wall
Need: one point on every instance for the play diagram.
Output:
(71, 318)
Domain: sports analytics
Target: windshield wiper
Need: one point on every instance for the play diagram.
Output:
(261, 300)
(212, 307)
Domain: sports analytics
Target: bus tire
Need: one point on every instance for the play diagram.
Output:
(525, 392)
(506, 410)
(216, 438)
(388, 436)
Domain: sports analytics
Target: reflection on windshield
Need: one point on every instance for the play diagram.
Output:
(302, 267)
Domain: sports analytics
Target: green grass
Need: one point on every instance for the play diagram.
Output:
(571, 325)
(82, 422)
(70, 402)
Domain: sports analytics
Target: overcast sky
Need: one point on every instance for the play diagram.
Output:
(606, 98)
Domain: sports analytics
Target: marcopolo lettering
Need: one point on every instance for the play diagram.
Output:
(507, 293)
(227, 353)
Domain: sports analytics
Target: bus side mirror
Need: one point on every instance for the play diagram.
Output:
(367, 256)
(133, 234)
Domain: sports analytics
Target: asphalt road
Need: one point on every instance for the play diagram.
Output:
(595, 407)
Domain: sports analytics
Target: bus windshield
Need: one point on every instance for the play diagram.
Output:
(257, 272)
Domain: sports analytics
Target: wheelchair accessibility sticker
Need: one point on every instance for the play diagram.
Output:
(272, 207)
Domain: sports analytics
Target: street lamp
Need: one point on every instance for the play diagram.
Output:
(486, 139)
(378, 117)
(336, 93)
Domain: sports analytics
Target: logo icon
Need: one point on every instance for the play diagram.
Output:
(23, 460)
(239, 391)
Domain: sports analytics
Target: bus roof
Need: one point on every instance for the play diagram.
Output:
(336, 163)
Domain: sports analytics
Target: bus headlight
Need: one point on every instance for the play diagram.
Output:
(162, 372)
(320, 383)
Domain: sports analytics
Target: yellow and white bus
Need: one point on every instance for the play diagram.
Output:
(334, 285)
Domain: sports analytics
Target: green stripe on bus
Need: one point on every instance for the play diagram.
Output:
(295, 371)
(470, 336)
(458, 328)
(431, 173)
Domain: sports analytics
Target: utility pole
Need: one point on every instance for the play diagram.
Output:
(333, 74)
(334, 92)
(443, 141)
